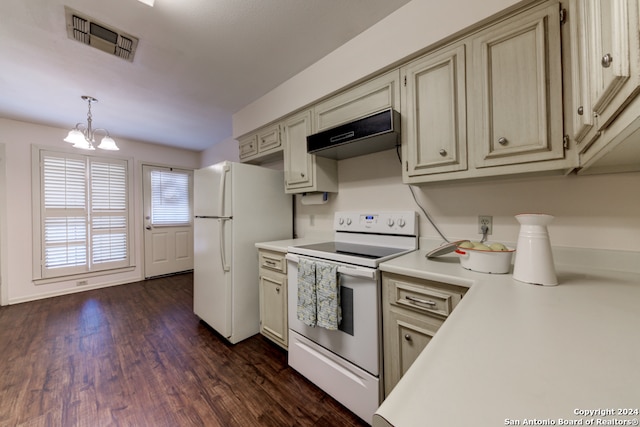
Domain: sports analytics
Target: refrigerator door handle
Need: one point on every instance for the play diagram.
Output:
(223, 251)
(221, 195)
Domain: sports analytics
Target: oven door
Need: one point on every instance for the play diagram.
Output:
(357, 337)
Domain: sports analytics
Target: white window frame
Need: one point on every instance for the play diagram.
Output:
(40, 273)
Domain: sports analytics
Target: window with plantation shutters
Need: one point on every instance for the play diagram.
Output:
(170, 198)
(84, 214)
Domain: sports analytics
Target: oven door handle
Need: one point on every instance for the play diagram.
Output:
(367, 273)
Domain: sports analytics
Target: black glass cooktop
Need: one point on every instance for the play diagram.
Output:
(353, 249)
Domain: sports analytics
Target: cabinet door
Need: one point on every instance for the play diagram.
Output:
(405, 338)
(273, 311)
(248, 146)
(370, 97)
(517, 84)
(581, 110)
(298, 165)
(269, 138)
(608, 24)
(434, 128)
(305, 172)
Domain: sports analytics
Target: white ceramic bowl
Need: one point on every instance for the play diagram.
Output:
(483, 261)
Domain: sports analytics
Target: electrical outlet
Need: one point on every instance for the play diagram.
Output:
(485, 220)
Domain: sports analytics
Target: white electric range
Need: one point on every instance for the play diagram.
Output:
(347, 362)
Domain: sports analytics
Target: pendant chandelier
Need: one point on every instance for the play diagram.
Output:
(83, 136)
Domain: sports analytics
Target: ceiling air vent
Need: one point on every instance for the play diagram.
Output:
(96, 34)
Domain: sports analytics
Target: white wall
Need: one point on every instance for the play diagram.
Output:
(224, 150)
(412, 28)
(599, 211)
(15, 208)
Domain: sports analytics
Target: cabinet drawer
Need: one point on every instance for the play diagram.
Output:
(425, 299)
(273, 261)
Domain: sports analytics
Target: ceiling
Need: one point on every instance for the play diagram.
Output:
(197, 61)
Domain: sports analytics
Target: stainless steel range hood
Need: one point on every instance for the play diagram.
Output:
(377, 132)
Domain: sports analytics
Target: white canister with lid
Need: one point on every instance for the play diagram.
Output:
(534, 259)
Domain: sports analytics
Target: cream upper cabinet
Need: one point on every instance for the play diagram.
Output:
(609, 62)
(605, 81)
(489, 103)
(263, 145)
(517, 90)
(602, 63)
(248, 146)
(581, 115)
(375, 95)
(434, 113)
(305, 172)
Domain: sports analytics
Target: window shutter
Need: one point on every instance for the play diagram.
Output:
(64, 209)
(170, 198)
(108, 213)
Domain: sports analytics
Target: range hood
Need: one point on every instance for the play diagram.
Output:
(370, 134)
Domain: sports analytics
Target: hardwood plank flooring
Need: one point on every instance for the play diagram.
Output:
(136, 355)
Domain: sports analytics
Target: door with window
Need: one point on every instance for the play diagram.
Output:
(168, 226)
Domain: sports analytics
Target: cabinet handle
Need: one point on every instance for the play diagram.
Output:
(407, 337)
(269, 262)
(415, 300)
(278, 290)
(302, 174)
(503, 141)
(443, 152)
(580, 110)
(607, 60)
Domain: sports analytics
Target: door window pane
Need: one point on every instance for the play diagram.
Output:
(170, 198)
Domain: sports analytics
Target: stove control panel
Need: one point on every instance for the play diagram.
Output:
(403, 223)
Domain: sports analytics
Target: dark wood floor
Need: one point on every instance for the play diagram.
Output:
(136, 355)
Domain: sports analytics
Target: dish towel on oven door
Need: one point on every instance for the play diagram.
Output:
(318, 294)
(328, 296)
(307, 300)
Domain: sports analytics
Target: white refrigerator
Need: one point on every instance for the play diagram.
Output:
(235, 206)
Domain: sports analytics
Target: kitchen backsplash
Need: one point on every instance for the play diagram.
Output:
(600, 211)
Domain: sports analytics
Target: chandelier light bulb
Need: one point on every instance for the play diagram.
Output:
(75, 136)
(108, 143)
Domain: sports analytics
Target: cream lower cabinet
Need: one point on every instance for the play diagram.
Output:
(412, 312)
(273, 296)
(304, 172)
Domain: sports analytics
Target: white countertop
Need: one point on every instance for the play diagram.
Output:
(282, 245)
(512, 352)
